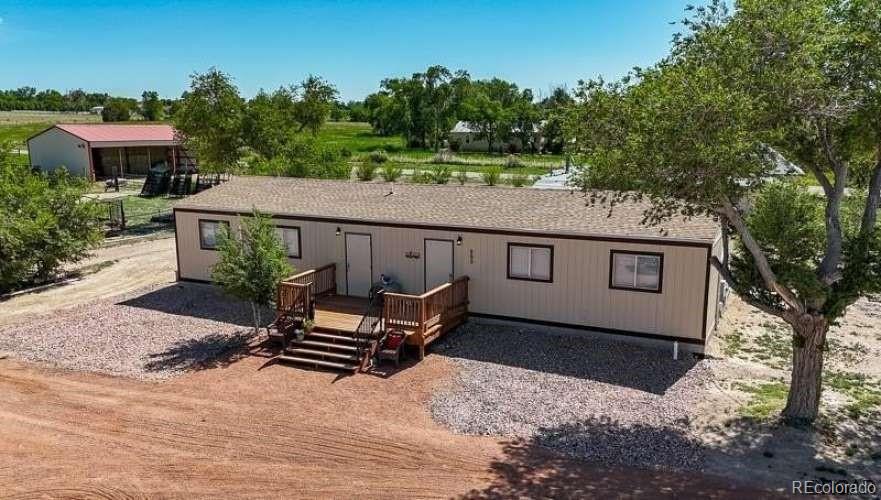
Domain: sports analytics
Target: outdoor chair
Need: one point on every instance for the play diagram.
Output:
(282, 329)
(392, 347)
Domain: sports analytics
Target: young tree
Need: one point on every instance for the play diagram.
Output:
(209, 119)
(251, 266)
(152, 107)
(692, 134)
(317, 97)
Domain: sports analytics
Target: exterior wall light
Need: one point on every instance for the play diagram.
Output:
(459, 241)
(338, 232)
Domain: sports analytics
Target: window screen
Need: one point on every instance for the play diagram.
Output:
(290, 237)
(530, 262)
(636, 271)
(208, 233)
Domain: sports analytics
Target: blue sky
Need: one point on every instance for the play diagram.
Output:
(124, 47)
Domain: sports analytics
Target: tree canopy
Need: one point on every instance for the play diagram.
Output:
(210, 118)
(696, 135)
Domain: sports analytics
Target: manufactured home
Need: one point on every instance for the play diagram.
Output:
(538, 256)
(100, 151)
(467, 137)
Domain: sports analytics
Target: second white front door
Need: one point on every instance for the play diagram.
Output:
(359, 264)
(438, 262)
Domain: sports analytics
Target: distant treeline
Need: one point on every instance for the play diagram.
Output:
(30, 99)
(150, 107)
(422, 108)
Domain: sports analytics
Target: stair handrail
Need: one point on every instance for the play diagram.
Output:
(364, 332)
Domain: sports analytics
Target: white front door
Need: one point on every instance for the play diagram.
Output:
(359, 264)
(438, 262)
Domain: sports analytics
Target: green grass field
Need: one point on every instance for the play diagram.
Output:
(358, 138)
(17, 126)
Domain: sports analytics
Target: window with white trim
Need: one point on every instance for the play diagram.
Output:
(209, 231)
(290, 238)
(530, 262)
(637, 271)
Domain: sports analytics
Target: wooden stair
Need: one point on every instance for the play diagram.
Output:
(329, 348)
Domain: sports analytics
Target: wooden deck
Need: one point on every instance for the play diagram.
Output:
(338, 312)
(339, 340)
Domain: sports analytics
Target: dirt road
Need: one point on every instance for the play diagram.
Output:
(128, 267)
(249, 430)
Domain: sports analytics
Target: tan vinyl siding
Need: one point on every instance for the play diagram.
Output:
(713, 290)
(579, 294)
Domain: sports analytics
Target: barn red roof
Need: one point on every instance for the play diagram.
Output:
(119, 133)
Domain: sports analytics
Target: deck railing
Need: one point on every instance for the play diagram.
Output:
(298, 292)
(446, 304)
(295, 299)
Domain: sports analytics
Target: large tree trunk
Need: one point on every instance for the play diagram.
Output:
(803, 402)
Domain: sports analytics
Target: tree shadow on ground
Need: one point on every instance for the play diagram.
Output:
(775, 454)
(199, 301)
(211, 351)
(616, 362)
(530, 469)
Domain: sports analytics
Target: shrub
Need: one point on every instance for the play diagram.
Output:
(377, 157)
(420, 177)
(513, 161)
(45, 223)
(365, 171)
(443, 156)
(338, 170)
(345, 152)
(491, 175)
(391, 172)
(439, 174)
(462, 176)
(455, 146)
(513, 148)
(520, 180)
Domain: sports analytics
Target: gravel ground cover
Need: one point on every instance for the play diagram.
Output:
(152, 333)
(596, 399)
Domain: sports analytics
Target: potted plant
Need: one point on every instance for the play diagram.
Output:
(306, 327)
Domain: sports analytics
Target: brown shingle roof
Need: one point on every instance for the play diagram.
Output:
(462, 207)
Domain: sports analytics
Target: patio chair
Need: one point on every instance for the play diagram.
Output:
(282, 329)
(391, 347)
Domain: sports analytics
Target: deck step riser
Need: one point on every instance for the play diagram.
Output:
(334, 338)
(318, 363)
(310, 353)
(314, 344)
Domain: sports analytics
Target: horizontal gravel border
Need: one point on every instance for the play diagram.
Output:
(153, 333)
(596, 399)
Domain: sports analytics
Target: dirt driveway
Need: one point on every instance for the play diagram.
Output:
(123, 268)
(249, 430)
